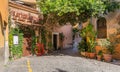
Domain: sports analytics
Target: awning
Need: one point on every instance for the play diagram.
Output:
(28, 24)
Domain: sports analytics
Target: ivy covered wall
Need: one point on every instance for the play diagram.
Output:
(15, 50)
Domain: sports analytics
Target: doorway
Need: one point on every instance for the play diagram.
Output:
(27, 42)
(55, 41)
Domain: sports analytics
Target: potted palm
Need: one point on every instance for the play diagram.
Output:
(83, 47)
(88, 34)
(90, 39)
(91, 47)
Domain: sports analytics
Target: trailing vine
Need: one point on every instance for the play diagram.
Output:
(33, 42)
(33, 37)
(43, 36)
(49, 41)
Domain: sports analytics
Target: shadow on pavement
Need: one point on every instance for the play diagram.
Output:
(74, 53)
(67, 51)
(60, 70)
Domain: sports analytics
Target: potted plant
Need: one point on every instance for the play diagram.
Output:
(90, 39)
(109, 51)
(82, 47)
(91, 49)
(107, 57)
(98, 47)
(88, 34)
(99, 55)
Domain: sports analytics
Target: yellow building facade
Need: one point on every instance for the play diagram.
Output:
(3, 27)
(25, 16)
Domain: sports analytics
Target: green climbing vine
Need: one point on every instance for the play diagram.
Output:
(15, 50)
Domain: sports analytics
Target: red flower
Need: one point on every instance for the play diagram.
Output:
(40, 49)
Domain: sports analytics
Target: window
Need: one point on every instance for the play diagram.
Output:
(101, 28)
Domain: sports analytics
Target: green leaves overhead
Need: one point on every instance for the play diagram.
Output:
(83, 9)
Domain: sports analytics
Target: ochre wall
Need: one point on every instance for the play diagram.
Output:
(112, 25)
(3, 19)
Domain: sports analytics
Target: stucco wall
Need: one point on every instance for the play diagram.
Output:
(3, 20)
(112, 22)
(112, 26)
(67, 31)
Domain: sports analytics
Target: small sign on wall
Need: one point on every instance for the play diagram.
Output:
(15, 39)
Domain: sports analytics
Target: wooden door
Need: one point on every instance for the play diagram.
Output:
(27, 45)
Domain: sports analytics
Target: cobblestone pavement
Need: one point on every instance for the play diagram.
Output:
(19, 65)
(60, 62)
(70, 64)
(2, 66)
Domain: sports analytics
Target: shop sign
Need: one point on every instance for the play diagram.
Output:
(15, 39)
(24, 17)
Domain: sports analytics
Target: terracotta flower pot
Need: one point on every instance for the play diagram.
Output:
(92, 55)
(46, 51)
(99, 57)
(97, 49)
(82, 53)
(87, 54)
(107, 57)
